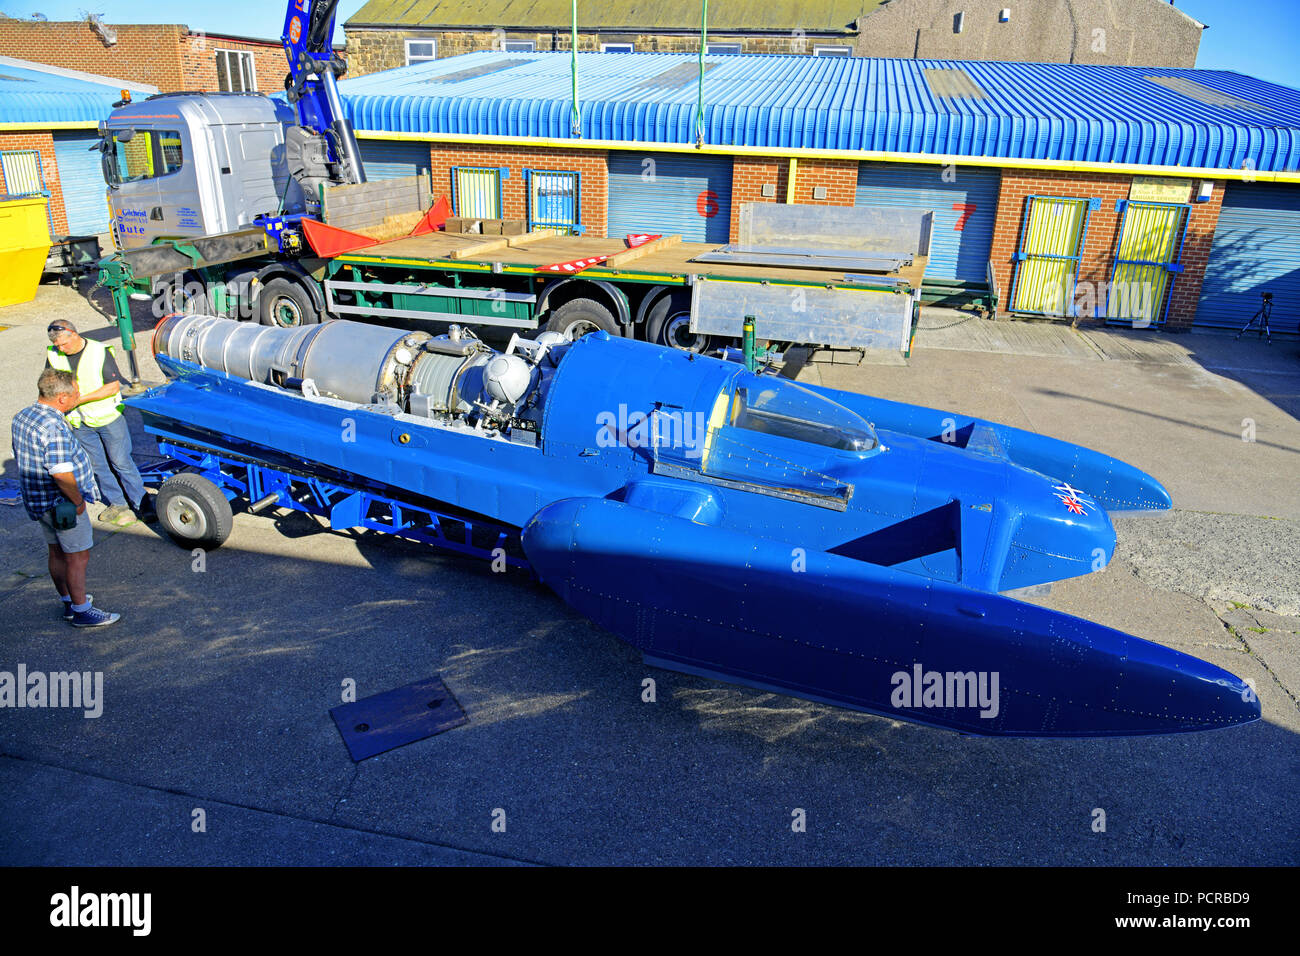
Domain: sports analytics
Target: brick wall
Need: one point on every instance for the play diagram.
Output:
(1201, 224)
(198, 56)
(44, 143)
(370, 51)
(750, 174)
(147, 53)
(1102, 240)
(589, 163)
(167, 56)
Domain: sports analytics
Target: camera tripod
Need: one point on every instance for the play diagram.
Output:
(1262, 316)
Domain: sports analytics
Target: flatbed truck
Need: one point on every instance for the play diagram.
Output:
(215, 198)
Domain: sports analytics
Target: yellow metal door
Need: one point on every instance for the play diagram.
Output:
(1047, 263)
(478, 193)
(1150, 245)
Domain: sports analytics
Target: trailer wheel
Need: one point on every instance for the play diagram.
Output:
(194, 511)
(189, 297)
(578, 317)
(669, 323)
(286, 304)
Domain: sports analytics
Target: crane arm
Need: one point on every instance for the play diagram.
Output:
(311, 84)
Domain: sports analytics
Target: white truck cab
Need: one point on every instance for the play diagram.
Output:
(196, 164)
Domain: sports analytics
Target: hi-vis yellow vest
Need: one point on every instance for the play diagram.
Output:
(90, 376)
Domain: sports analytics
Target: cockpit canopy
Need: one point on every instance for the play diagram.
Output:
(777, 406)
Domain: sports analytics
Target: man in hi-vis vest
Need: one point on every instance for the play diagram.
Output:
(98, 423)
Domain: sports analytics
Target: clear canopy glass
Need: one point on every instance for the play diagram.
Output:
(776, 406)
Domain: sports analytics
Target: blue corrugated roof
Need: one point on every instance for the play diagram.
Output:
(1048, 111)
(32, 95)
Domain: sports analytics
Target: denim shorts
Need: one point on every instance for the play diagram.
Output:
(77, 538)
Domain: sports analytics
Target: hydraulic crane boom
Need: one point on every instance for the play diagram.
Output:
(311, 84)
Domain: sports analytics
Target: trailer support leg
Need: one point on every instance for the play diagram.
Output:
(122, 306)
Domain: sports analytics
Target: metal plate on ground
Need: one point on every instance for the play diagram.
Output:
(397, 717)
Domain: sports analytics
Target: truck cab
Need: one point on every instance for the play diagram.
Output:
(196, 164)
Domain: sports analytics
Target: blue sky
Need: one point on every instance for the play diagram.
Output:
(1256, 37)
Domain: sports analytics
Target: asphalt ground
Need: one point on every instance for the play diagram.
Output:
(218, 682)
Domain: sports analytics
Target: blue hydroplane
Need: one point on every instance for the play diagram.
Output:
(729, 523)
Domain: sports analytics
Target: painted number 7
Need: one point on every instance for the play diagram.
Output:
(967, 209)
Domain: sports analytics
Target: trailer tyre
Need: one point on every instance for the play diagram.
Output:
(286, 304)
(578, 317)
(187, 298)
(194, 511)
(669, 323)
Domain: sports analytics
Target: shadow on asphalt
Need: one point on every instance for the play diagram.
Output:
(1130, 409)
(218, 685)
(1271, 371)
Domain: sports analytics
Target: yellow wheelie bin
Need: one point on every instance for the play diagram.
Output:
(24, 246)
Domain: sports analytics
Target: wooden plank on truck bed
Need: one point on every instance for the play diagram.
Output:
(429, 247)
(530, 237)
(645, 249)
(498, 243)
(393, 227)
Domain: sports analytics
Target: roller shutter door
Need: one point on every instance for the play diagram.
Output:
(1256, 249)
(389, 160)
(669, 194)
(964, 211)
(81, 177)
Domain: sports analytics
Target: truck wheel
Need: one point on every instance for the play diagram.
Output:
(194, 511)
(286, 304)
(669, 323)
(576, 318)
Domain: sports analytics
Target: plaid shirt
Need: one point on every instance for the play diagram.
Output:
(42, 439)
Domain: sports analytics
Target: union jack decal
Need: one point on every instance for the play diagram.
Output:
(1072, 498)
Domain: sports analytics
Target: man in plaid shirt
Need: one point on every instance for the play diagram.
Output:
(57, 480)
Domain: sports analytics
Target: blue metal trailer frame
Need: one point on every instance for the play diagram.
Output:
(264, 485)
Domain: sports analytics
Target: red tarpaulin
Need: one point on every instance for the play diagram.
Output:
(434, 219)
(329, 241)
